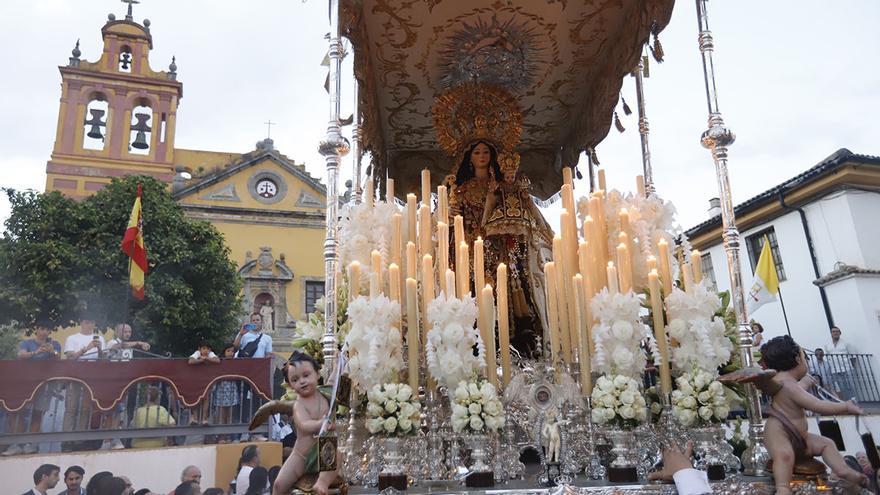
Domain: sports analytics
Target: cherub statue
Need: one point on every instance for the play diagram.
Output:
(551, 438)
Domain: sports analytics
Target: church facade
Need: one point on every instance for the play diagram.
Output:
(117, 117)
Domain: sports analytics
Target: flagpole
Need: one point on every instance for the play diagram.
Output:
(784, 314)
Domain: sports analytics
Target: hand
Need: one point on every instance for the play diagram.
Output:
(243, 330)
(853, 408)
(144, 346)
(674, 460)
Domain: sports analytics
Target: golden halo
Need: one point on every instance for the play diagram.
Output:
(473, 112)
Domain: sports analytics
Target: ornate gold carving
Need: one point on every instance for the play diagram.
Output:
(474, 112)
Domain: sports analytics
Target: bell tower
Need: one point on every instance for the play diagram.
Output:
(117, 115)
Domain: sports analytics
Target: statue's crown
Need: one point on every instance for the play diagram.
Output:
(478, 112)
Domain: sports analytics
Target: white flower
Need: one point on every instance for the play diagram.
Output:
(375, 394)
(476, 423)
(493, 407)
(689, 402)
(390, 424)
(656, 408)
(627, 412)
(721, 412)
(687, 417)
(405, 424)
(597, 415)
(474, 391)
(622, 357)
(716, 388)
(404, 393)
(620, 381)
(701, 380)
(605, 384)
(704, 397)
(375, 409)
(622, 330)
(458, 423)
(686, 388)
(375, 425)
(627, 397)
(608, 413)
(494, 422)
(474, 408)
(407, 409)
(705, 413)
(677, 395)
(459, 411)
(390, 406)
(461, 392)
(487, 392)
(677, 328)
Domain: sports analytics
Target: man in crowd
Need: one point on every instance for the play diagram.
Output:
(121, 345)
(841, 365)
(73, 478)
(821, 369)
(191, 475)
(45, 478)
(251, 341)
(39, 348)
(87, 345)
(151, 415)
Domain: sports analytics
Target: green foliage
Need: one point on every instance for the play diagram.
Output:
(10, 337)
(60, 259)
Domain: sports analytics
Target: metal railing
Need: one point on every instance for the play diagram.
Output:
(849, 376)
(62, 415)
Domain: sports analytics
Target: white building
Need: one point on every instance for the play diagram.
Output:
(824, 231)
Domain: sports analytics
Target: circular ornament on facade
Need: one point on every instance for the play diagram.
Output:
(266, 188)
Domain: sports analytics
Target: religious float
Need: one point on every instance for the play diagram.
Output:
(475, 336)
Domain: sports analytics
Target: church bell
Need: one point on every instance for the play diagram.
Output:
(140, 139)
(96, 123)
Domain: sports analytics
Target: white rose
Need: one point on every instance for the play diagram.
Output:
(487, 391)
(689, 402)
(632, 386)
(391, 389)
(458, 424)
(701, 380)
(459, 410)
(406, 409)
(721, 412)
(473, 390)
(705, 413)
(627, 397)
(686, 388)
(390, 406)
(716, 388)
(687, 417)
(404, 393)
(704, 397)
(605, 384)
(622, 330)
(620, 381)
(677, 328)
(405, 424)
(375, 425)
(461, 392)
(493, 407)
(390, 424)
(375, 410)
(597, 415)
(476, 423)
(474, 408)
(375, 394)
(627, 412)
(677, 395)
(609, 401)
(608, 413)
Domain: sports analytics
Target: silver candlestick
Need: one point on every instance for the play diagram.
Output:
(643, 128)
(718, 139)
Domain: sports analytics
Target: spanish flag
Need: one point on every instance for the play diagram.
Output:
(133, 246)
(766, 283)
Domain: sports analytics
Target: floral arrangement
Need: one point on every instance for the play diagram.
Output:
(618, 335)
(451, 340)
(618, 401)
(363, 228)
(476, 407)
(699, 399)
(374, 343)
(308, 332)
(392, 410)
(698, 335)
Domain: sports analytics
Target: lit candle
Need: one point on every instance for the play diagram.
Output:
(602, 184)
(412, 332)
(651, 262)
(425, 242)
(450, 283)
(612, 278)
(462, 270)
(488, 334)
(442, 252)
(368, 192)
(640, 185)
(696, 263)
(623, 215)
(411, 267)
(479, 272)
(426, 188)
(442, 205)
(687, 277)
(503, 323)
(427, 291)
(665, 269)
(389, 190)
(624, 263)
(354, 279)
(660, 331)
(582, 319)
(552, 309)
(411, 215)
(376, 273)
(396, 241)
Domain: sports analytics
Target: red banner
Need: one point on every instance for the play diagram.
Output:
(107, 381)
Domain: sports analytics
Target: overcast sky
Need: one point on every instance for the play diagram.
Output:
(797, 80)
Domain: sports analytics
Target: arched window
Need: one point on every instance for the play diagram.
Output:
(95, 124)
(141, 132)
(124, 64)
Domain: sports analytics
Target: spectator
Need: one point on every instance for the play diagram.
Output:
(191, 473)
(214, 491)
(757, 334)
(842, 365)
(112, 485)
(251, 341)
(258, 482)
(151, 415)
(225, 395)
(39, 348)
(92, 488)
(73, 478)
(129, 489)
(821, 369)
(250, 458)
(86, 345)
(120, 346)
(188, 488)
(678, 468)
(273, 473)
(45, 478)
(203, 355)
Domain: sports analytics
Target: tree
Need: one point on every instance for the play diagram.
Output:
(72, 251)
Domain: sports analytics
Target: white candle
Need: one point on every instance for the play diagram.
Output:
(640, 185)
(396, 241)
(442, 252)
(583, 321)
(389, 190)
(602, 184)
(427, 291)
(411, 215)
(479, 272)
(412, 332)
(394, 286)
(425, 241)
(503, 323)
(552, 310)
(665, 269)
(450, 283)
(368, 192)
(426, 188)
(442, 205)
(612, 278)
(459, 230)
(625, 264)
(660, 331)
(488, 334)
(354, 279)
(696, 263)
(411, 267)
(462, 270)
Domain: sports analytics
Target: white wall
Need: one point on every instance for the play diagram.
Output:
(156, 469)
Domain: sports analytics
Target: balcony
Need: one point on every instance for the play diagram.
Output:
(77, 405)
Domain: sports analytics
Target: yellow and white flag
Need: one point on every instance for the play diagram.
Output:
(765, 286)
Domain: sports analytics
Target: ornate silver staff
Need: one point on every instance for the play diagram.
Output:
(643, 128)
(333, 147)
(356, 141)
(718, 138)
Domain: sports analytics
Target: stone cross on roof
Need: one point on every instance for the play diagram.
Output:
(128, 16)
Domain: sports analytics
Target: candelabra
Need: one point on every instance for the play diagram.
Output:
(718, 138)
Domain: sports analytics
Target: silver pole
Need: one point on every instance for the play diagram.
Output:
(718, 138)
(356, 148)
(647, 171)
(333, 147)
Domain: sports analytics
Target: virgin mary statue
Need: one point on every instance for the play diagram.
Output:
(479, 126)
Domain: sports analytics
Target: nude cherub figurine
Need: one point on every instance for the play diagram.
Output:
(310, 412)
(551, 439)
(785, 433)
